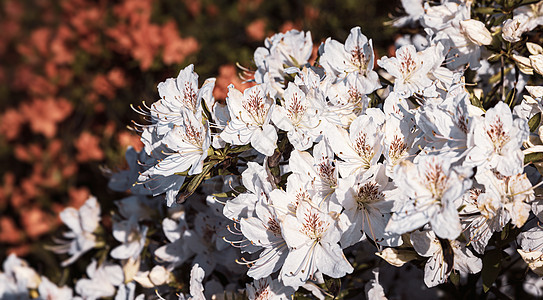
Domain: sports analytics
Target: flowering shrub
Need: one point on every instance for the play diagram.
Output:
(338, 174)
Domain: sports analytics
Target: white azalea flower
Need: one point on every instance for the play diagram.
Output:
(414, 10)
(411, 69)
(400, 132)
(446, 123)
(476, 32)
(444, 256)
(264, 231)
(250, 115)
(298, 117)
(197, 276)
(373, 288)
(101, 282)
(182, 92)
(255, 180)
(186, 147)
(176, 251)
(268, 289)
(18, 277)
(178, 96)
(280, 52)
(49, 290)
(312, 238)
(355, 57)
(132, 237)
(530, 15)
(361, 147)
(513, 193)
(319, 169)
(366, 208)
(494, 141)
(430, 187)
(157, 276)
(513, 29)
(83, 223)
(347, 99)
(482, 215)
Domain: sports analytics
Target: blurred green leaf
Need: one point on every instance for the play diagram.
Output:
(491, 268)
(534, 122)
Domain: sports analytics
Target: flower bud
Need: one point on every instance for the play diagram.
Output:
(534, 49)
(512, 30)
(159, 275)
(524, 64)
(476, 32)
(535, 91)
(537, 63)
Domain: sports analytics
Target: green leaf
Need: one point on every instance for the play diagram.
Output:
(486, 10)
(505, 232)
(527, 2)
(194, 183)
(333, 285)
(534, 122)
(476, 102)
(533, 157)
(494, 57)
(491, 268)
(511, 97)
(239, 149)
(454, 278)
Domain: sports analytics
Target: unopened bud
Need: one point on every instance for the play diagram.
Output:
(476, 32)
(534, 49)
(512, 30)
(537, 63)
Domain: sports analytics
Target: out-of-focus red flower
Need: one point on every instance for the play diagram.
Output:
(62, 54)
(7, 189)
(176, 49)
(256, 30)
(9, 233)
(88, 148)
(194, 7)
(101, 85)
(45, 114)
(78, 196)
(36, 222)
(10, 123)
(228, 74)
(311, 13)
(212, 10)
(147, 40)
(20, 251)
(127, 138)
(289, 25)
(117, 77)
(40, 39)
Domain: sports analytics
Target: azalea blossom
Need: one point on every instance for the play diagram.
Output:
(268, 289)
(367, 210)
(443, 257)
(82, 223)
(494, 141)
(360, 147)
(298, 117)
(430, 188)
(312, 238)
(250, 114)
(411, 69)
(355, 57)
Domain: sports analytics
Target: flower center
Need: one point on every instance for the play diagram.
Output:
(368, 193)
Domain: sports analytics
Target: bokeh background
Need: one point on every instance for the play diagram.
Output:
(71, 69)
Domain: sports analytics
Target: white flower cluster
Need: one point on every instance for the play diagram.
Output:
(321, 163)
